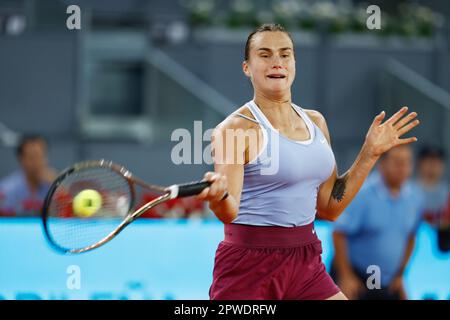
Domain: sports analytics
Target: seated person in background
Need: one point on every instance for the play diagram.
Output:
(378, 229)
(22, 193)
(431, 166)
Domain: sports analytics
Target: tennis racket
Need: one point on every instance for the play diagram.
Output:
(92, 202)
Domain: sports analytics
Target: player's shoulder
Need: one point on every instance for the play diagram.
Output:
(315, 116)
(319, 121)
(234, 121)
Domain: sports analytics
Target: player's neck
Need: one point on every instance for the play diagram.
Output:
(276, 107)
(273, 102)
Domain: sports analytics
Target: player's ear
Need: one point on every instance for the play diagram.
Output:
(246, 69)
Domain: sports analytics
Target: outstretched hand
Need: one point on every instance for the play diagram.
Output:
(382, 137)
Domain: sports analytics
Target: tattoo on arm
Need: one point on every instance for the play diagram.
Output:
(338, 191)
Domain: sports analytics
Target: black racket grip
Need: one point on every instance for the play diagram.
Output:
(192, 188)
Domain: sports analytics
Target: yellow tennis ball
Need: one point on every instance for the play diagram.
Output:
(87, 202)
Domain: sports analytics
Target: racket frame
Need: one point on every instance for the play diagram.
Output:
(169, 193)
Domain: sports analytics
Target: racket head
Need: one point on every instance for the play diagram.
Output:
(70, 229)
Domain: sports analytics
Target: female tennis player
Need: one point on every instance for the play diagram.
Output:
(271, 250)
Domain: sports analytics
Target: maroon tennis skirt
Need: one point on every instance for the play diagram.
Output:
(270, 263)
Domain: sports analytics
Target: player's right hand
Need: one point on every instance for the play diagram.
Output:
(218, 188)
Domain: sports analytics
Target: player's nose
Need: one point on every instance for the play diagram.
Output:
(276, 65)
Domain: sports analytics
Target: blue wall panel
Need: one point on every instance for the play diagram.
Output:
(160, 260)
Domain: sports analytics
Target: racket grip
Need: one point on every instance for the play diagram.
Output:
(189, 189)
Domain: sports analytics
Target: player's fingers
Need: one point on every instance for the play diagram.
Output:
(212, 177)
(221, 181)
(379, 118)
(202, 195)
(206, 176)
(209, 176)
(405, 120)
(213, 190)
(392, 120)
(217, 187)
(407, 140)
(408, 127)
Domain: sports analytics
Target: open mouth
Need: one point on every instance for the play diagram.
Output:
(276, 76)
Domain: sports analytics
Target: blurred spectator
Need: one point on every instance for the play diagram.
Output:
(378, 228)
(22, 193)
(431, 167)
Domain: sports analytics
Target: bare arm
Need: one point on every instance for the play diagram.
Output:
(230, 155)
(337, 192)
(227, 210)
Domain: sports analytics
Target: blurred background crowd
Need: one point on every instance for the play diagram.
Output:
(139, 69)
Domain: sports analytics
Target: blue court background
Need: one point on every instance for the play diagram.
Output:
(156, 259)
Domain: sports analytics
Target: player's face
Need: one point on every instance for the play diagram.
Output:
(34, 158)
(271, 63)
(397, 166)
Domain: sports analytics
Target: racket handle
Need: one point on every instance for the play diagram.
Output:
(188, 189)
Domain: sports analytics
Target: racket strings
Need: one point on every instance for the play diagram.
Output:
(72, 228)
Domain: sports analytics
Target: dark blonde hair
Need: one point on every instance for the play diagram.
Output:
(264, 28)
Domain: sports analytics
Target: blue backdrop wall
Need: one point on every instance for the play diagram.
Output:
(170, 259)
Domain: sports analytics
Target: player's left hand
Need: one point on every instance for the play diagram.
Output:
(384, 136)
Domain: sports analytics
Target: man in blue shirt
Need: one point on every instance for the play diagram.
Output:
(378, 229)
(22, 193)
